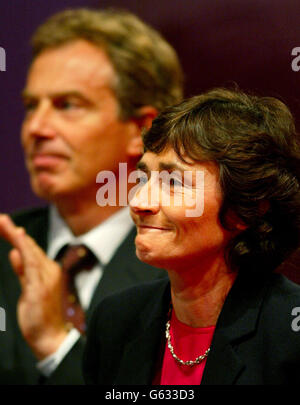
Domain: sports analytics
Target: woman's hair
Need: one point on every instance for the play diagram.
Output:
(146, 65)
(254, 142)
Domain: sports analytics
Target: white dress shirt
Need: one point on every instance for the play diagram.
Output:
(103, 241)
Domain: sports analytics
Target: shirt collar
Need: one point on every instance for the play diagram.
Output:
(103, 240)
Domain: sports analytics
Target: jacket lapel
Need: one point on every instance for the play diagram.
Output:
(138, 363)
(238, 319)
(140, 360)
(223, 365)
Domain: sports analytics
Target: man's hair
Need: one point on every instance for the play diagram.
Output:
(147, 67)
(254, 142)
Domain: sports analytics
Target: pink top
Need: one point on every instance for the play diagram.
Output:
(188, 343)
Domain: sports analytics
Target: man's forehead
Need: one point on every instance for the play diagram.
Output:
(72, 64)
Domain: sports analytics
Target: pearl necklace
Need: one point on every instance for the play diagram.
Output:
(183, 363)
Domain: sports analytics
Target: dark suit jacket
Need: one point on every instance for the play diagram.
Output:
(17, 363)
(253, 343)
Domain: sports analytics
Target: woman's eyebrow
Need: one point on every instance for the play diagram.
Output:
(162, 166)
(142, 166)
(171, 166)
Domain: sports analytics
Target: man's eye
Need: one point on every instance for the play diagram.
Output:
(29, 105)
(65, 104)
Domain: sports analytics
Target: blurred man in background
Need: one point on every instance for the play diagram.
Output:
(96, 80)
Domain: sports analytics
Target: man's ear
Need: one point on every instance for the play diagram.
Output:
(143, 121)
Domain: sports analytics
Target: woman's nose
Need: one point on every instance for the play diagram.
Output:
(145, 200)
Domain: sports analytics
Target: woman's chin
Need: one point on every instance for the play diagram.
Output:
(144, 255)
(150, 258)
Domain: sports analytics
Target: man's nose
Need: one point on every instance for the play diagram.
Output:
(146, 200)
(39, 123)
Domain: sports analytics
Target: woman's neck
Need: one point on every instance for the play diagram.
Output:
(198, 295)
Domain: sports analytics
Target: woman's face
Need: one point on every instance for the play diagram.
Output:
(184, 231)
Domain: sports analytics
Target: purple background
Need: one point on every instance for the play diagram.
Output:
(219, 42)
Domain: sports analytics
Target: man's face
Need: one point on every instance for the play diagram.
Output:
(72, 129)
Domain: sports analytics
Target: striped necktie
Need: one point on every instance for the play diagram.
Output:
(74, 259)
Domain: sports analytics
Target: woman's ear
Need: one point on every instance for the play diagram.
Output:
(234, 222)
(143, 121)
(263, 207)
(241, 226)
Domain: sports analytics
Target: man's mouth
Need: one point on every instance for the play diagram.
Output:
(46, 160)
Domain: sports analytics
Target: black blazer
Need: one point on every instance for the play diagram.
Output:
(17, 363)
(253, 343)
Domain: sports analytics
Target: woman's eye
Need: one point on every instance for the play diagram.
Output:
(143, 179)
(66, 105)
(175, 182)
